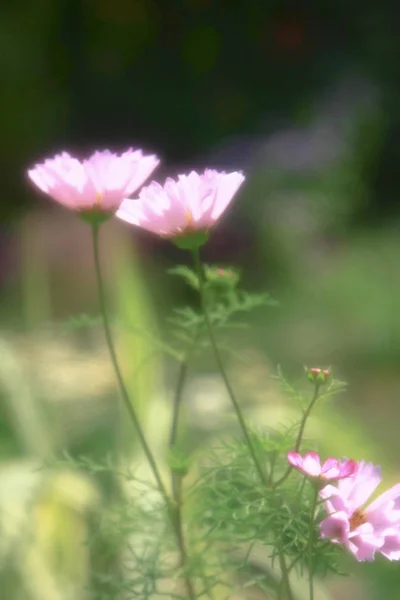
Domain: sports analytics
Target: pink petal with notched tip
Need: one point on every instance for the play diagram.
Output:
(190, 203)
(99, 182)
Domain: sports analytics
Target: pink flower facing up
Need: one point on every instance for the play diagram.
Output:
(332, 468)
(95, 185)
(363, 531)
(192, 203)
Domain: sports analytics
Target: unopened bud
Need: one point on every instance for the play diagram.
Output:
(226, 273)
(226, 277)
(320, 376)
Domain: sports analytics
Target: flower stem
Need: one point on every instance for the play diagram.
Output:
(124, 392)
(299, 438)
(310, 544)
(306, 414)
(172, 511)
(177, 491)
(235, 404)
(183, 369)
(285, 582)
(176, 478)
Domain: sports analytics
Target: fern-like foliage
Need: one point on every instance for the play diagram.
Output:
(243, 509)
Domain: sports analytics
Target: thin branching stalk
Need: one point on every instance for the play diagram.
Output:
(306, 414)
(126, 399)
(221, 367)
(299, 439)
(285, 581)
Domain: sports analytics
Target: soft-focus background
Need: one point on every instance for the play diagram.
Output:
(302, 96)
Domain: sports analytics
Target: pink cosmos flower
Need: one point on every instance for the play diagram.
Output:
(98, 183)
(191, 203)
(332, 468)
(363, 531)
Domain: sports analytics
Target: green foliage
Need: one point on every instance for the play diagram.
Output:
(225, 300)
(242, 509)
(232, 509)
(295, 391)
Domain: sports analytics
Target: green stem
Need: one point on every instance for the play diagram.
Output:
(285, 582)
(183, 369)
(175, 420)
(180, 535)
(274, 456)
(307, 413)
(310, 545)
(172, 511)
(176, 479)
(117, 370)
(235, 404)
(299, 439)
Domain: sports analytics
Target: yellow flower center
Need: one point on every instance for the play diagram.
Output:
(357, 518)
(99, 198)
(189, 218)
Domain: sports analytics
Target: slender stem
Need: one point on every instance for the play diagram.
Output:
(299, 439)
(285, 582)
(173, 513)
(221, 368)
(176, 479)
(310, 544)
(124, 392)
(272, 467)
(183, 369)
(180, 535)
(307, 413)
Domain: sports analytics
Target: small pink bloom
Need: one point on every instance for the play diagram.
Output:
(363, 531)
(99, 183)
(191, 203)
(332, 468)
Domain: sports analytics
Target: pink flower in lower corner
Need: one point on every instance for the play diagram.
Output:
(191, 203)
(363, 531)
(332, 468)
(98, 183)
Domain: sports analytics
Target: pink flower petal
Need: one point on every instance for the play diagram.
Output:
(363, 547)
(362, 531)
(295, 459)
(384, 511)
(391, 546)
(358, 488)
(193, 202)
(312, 464)
(336, 527)
(331, 468)
(348, 468)
(98, 183)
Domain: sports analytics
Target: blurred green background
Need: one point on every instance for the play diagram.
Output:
(301, 96)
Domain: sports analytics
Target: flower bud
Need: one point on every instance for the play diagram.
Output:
(318, 376)
(226, 277)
